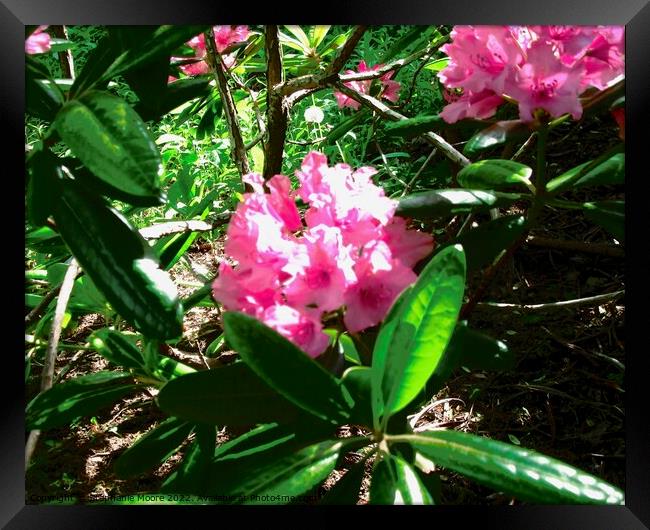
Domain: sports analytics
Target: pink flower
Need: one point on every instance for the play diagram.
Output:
(38, 42)
(353, 255)
(480, 57)
(408, 246)
(389, 90)
(225, 37)
(545, 82)
(380, 281)
(321, 281)
(541, 67)
(480, 105)
(303, 330)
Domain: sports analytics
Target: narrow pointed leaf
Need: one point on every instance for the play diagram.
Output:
(117, 348)
(119, 261)
(286, 368)
(346, 490)
(446, 203)
(111, 140)
(194, 474)
(230, 395)
(74, 398)
(484, 244)
(608, 214)
(492, 174)
(519, 472)
(496, 134)
(153, 448)
(394, 481)
(409, 348)
(610, 171)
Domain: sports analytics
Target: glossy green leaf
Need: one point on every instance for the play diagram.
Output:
(345, 126)
(96, 186)
(358, 381)
(44, 171)
(495, 135)
(610, 171)
(111, 140)
(409, 348)
(117, 348)
(317, 34)
(484, 243)
(153, 448)
(119, 261)
(286, 368)
(608, 214)
(491, 174)
(346, 490)
(43, 98)
(394, 481)
(525, 474)
(163, 40)
(276, 480)
(478, 351)
(419, 125)
(229, 395)
(74, 398)
(435, 204)
(194, 473)
(178, 93)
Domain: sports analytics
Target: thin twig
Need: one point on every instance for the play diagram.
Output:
(238, 149)
(368, 101)
(578, 246)
(178, 227)
(47, 375)
(419, 172)
(590, 300)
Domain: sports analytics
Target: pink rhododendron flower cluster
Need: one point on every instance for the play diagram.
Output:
(541, 67)
(389, 88)
(350, 252)
(224, 36)
(38, 42)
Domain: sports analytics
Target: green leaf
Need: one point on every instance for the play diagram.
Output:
(610, 171)
(419, 125)
(178, 93)
(286, 368)
(435, 204)
(525, 474)
(478, 351)
(358, 381)
(111, 140)
(346, 490)
(117, 348)
(229, 395)
(163, 41)
(276, 480)
(119, 261)
(608, 214)
(484, 243)
(490, 174)
(496, 134)
(44, 171)
(345, 126)
(317, 35)
(43, 98)
(194, 474)
(409, 348)
(299, 34)
(96, 186)
(152, 449)
(394, 481)
(75, 398)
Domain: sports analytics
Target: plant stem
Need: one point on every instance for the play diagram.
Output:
(540, 176)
